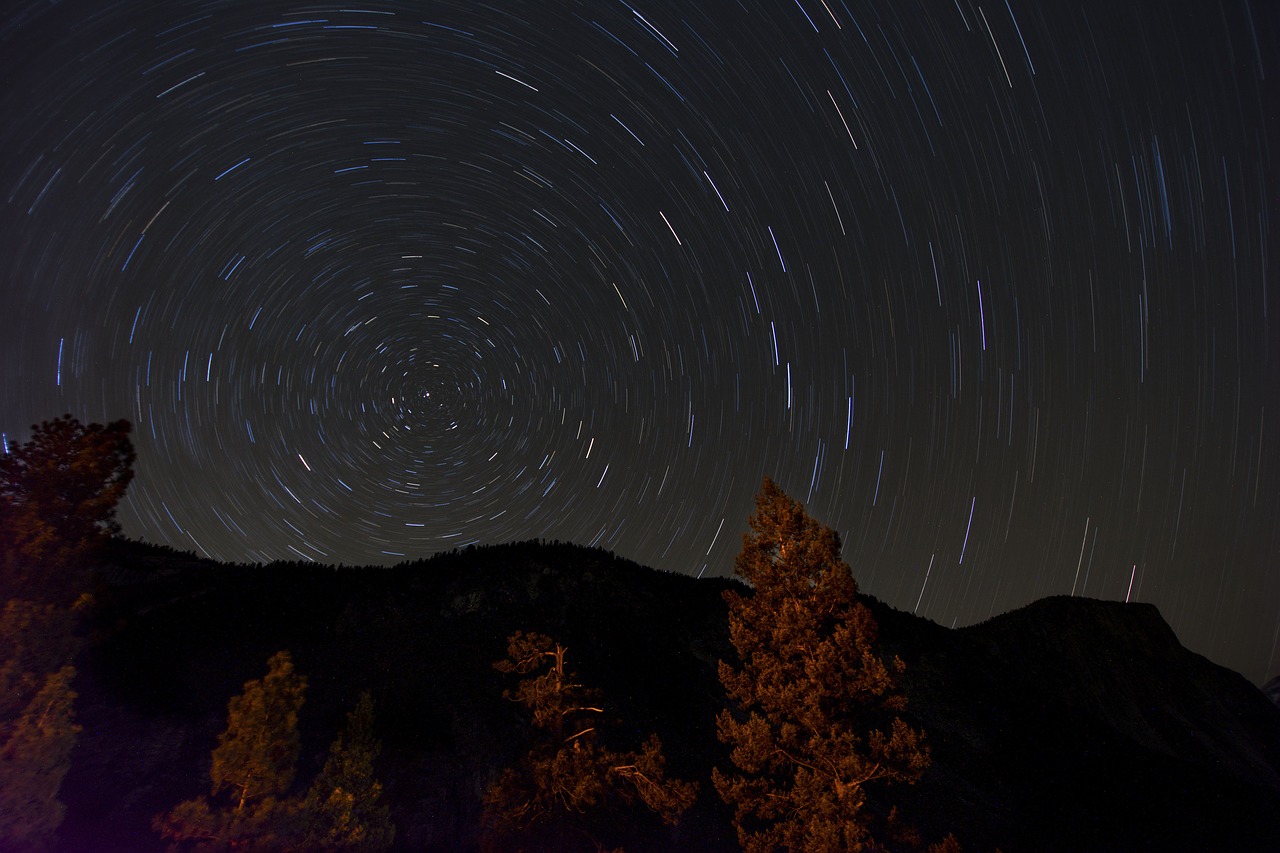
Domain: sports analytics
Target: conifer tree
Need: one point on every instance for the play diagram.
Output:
(257, 755)
(35, 754)
(813, 718)
(570, 789)
(37, 733)
(58, 497)
(344, 809)
(253, 767)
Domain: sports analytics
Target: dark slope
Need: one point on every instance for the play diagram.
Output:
(422, 637)
(1077, 724)
(1070, 724)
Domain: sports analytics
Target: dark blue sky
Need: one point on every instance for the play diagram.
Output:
(991, 288)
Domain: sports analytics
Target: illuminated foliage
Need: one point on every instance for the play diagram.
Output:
(813, 718)
(35, 754)
(570, 790)
(58, 497)
(344, 809)
(253, 767)
(37, 731)
(257, 754)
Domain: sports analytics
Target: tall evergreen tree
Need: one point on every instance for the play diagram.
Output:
(253, 767)
(813, 718)
(37, 732)
(257, 755)
(571, 791)
(58, 497)
(35, 754)
(344, 809)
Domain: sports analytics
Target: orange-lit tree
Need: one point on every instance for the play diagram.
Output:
(343, 810)
(58, 497)
(35, 754)
(37, 726)
(570, 791)
(253, 768)
(813, 715)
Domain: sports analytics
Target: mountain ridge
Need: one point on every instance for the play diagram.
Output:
(1068, 724)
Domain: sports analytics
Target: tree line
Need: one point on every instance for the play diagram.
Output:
(812, 717)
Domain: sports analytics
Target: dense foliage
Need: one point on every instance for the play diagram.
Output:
(813, 718)
(58, 497)
(253, 767)
(344, 808)
(34, 758)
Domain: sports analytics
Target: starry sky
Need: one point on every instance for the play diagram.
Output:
(990, 287)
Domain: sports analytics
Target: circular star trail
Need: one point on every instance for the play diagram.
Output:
(989, 287)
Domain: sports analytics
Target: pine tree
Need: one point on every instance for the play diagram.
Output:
(253, 767)
(257, 755)
(343, 808)
(35, 754)
(814, 708)
(37, 733)
(58, 497)
(569, 790)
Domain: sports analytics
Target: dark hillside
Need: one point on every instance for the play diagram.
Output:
(1077, 724)
(1070, 724)
(422, 637)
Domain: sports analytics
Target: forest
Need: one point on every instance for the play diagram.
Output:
(546, 696)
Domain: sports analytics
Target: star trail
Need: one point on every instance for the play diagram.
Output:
(988, 286)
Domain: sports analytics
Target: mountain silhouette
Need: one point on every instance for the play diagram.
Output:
(1069, 724)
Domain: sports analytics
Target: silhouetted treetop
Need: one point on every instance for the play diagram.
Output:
(58, 495)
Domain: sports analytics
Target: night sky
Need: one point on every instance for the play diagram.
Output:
(991, 288)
